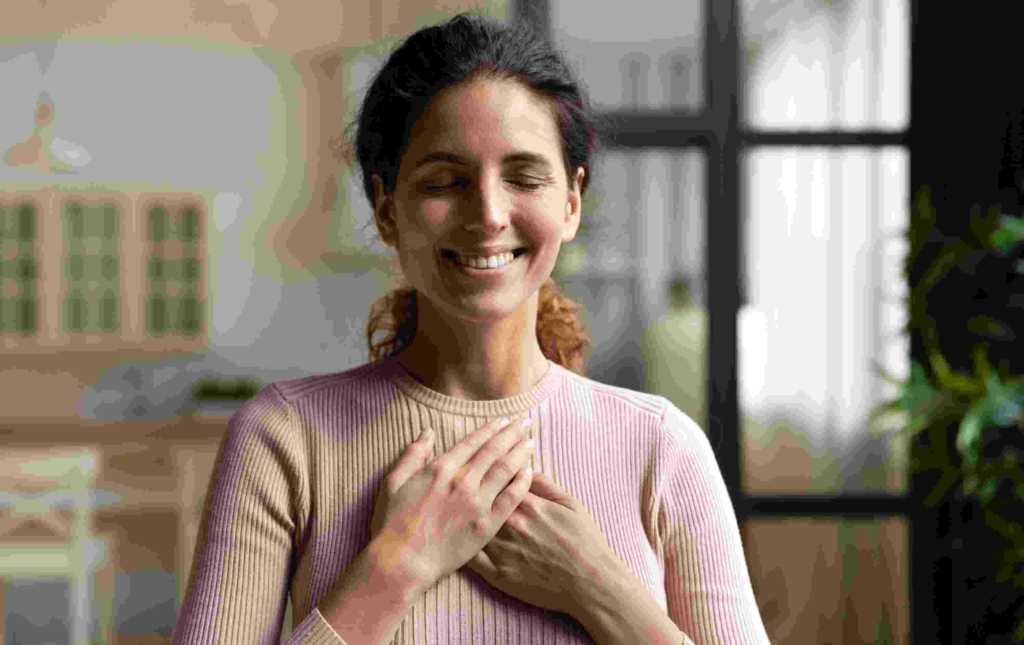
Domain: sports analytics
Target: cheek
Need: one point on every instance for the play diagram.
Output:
(545, 234)
(422, 227)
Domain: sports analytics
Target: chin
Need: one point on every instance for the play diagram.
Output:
(486, 308)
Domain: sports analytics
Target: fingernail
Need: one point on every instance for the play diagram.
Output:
(504, 422)
(529, 470)
(426, 433)
(527, 422)
(530, 443)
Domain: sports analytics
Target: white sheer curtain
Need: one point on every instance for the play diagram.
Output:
(821, 232)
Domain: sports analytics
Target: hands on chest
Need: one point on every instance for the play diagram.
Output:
(479, 505)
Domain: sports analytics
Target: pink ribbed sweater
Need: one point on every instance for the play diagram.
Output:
(297, 477)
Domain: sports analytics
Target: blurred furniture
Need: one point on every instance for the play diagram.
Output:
(46, 531)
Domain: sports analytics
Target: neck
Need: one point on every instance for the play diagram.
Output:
(477, 361)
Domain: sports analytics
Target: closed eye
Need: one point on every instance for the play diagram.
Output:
(522, 185)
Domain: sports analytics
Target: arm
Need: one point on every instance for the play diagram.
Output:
(256, 503)
(623, 611)
(707, 584)
(369, 601)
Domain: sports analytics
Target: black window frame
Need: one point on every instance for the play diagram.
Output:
(717, 128)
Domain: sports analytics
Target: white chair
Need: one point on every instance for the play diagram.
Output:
(46, 529)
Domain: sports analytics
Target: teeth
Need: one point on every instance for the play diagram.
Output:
(478, 262)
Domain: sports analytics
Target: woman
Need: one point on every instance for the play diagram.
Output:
(474, 142)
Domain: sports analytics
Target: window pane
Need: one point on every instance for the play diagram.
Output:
(158, 224)
(92, 235)
(646, 53)
(18, 270)
(27, 222)
(174, 270)
(824, 289)
(820, 581)
(642, 232)
(823, 65)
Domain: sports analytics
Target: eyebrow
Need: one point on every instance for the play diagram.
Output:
(530, 158)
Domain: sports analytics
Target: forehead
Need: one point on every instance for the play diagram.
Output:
(488, 118)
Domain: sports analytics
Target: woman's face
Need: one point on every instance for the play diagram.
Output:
(483, 174)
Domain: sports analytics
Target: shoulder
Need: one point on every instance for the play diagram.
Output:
(285, 413)
(273, 414)
(683, 434)
(595, 397)
(295, 391)
(676, 425)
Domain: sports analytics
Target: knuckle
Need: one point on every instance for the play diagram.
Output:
(505, 469)
(525, 508)
(514, 521)
(481, 526)
(462, 489)
(440, 468)
(488, 450)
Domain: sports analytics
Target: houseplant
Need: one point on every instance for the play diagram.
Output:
(968, 400)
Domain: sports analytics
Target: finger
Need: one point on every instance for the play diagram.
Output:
(505, 503)
(464, 450)
(548, 488)
(508, 463)
(495, 454)
(413, 459)
(482, 565)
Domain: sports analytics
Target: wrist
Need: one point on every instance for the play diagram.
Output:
(622, 610)
(370, 599)
(388, 560)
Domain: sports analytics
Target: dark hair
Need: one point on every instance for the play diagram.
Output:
(462, 49)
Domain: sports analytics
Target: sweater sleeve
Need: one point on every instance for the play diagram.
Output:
(707, 584)
(255, 507)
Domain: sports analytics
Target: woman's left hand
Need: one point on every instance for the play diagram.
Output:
(549, 551)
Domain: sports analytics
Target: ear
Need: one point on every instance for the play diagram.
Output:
(573, 206)
(384, 212)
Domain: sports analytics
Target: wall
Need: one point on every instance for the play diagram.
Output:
(238, 103)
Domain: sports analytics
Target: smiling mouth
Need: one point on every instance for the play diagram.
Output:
(453, 257)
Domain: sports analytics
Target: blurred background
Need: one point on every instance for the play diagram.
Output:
(177, 229)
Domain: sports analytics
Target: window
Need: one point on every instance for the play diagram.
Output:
(173, 296)
(795, 114)
(105, 270)
(18, 267)
(92, 240)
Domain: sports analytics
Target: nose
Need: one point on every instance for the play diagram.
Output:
(487, 207)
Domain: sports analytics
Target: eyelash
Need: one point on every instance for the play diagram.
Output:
(521, 184)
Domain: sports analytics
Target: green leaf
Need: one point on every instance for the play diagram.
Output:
(969, 436)
(982, 226)
(987, 326)
(1009, 233)
(988, 489)
(918, 391)
(1005, 404)
(1013, 224)
(949, 380)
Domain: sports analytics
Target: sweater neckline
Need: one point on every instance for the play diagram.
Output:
(407, 383)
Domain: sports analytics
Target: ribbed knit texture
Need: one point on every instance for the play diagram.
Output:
(297, 476)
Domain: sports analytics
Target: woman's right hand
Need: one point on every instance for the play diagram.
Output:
(432, 516)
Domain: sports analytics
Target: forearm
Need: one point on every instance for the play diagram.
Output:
(368, 602)
(622, 611)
